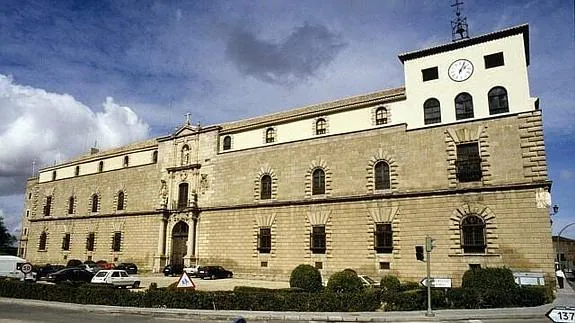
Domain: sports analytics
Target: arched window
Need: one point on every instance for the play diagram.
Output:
(270, 135)
(381, 116)
(498, 100)
(431, 111)
(120, 204)
(381, 176)
(100, 166)
(266, 187)
(155, 157)
(71, 205)
(320, 126)
(227, 143)
(77, 171)
(95, 203)
(473, 234)
(42, 244)
(126, 161)
(185, 155)
(183, 196)
(463, 106)
(318, 182)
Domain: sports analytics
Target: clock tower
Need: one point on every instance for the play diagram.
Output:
(462, 79)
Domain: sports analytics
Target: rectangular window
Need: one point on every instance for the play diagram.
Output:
(117, 241)
(494, 60)
(183, 196)
(429, 74)
(90, 241)
(319, 265)
(264, 264)
(66, 242)
(48, 206)
(468, 163)
(265, 240)
(383, 265)
(317, 239)
(383, 238)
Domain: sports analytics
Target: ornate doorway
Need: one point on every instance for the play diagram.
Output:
(179, 243)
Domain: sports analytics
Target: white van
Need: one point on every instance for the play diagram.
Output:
(10, 267)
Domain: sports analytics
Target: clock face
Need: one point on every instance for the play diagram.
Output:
(460, 70)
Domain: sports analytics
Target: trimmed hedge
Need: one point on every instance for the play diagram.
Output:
(307, 278)
(244, 298)
(345, 281)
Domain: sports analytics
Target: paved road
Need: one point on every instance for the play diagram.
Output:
(19, 313)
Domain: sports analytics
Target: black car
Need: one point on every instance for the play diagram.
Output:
(214, 272)
(70, 275)
(129, 267)
(47, 269)
(174, 269)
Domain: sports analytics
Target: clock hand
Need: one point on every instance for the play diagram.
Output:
(462, 66)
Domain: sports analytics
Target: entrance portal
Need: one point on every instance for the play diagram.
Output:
(179, 243)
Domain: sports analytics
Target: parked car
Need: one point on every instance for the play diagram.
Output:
(367, 281)
(192, 270)
(119, 278)
(70, 275)
(129, 267)
(93, 268)
(74, 263)
(214, 272)
(174, 269)
(103, 264)
(48, 269)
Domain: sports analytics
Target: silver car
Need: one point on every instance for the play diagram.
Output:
(114, 277)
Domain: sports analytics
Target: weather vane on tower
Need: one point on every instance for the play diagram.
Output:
(459, 24)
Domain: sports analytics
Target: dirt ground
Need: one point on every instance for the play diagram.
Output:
(207, 284)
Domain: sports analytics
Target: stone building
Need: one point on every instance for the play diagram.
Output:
(456, 154)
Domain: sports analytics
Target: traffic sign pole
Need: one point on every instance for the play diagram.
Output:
(429, 246)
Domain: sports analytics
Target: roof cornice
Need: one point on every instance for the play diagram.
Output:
(521, 29)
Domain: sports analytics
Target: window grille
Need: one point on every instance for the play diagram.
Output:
(318, 239)
(117, 241)
(318, 182)
(468, 163)
(265, 240)
(266, 187)
(381, 176)
(473, 234)
(383, 238)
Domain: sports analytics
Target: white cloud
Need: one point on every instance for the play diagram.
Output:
(45, 127)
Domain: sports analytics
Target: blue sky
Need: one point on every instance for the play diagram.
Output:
(76, 72)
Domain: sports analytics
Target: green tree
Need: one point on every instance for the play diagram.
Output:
(7, 240)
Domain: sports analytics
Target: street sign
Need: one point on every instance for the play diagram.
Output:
(562, 314)
(186, 282)
(437, 282)
(26, 268)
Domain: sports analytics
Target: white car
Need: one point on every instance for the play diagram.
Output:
(119, 278)
(192, 270)
(367, 281)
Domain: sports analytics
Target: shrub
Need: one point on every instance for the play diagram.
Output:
(344, 282)
(489, 278)
(307, 278)
(406, 286)
(389, 283)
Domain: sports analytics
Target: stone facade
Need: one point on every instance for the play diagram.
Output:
(227, 194)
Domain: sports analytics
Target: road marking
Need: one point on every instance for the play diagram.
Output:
(475, 321)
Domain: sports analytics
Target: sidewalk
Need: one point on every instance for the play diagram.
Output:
(565, 297)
